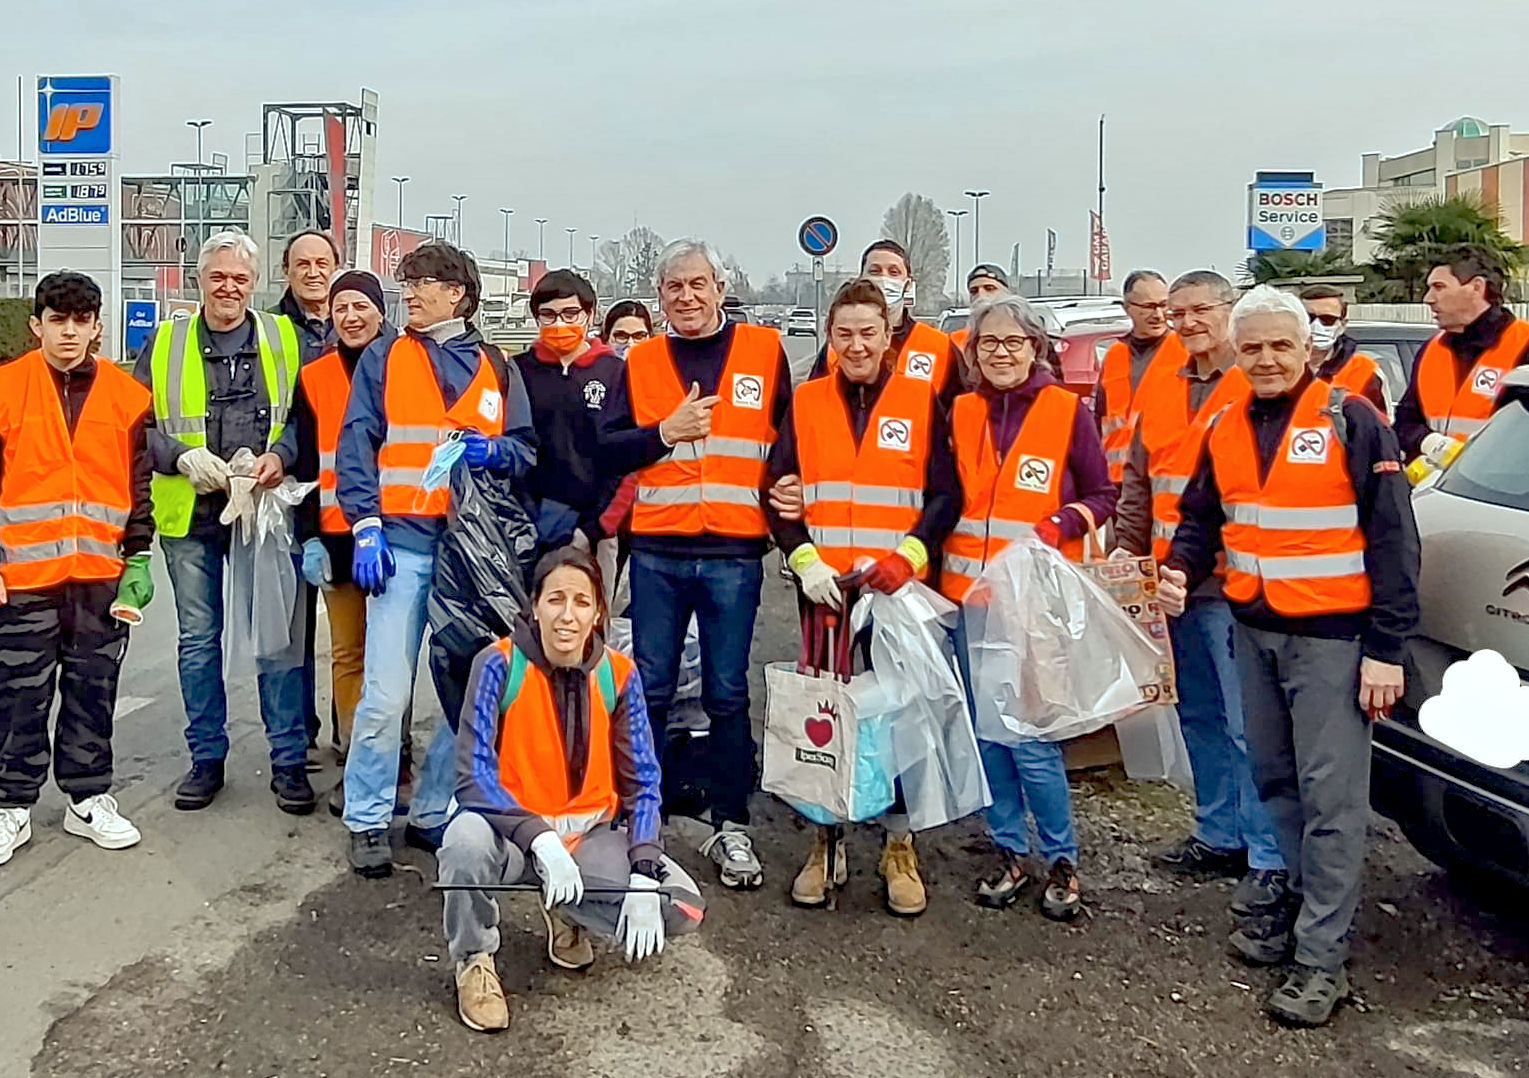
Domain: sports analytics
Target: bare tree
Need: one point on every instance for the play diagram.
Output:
(738, 283)
(919, 225)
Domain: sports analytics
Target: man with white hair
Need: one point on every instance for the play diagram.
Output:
(1301, 487)
(695, 418)
(222, 380)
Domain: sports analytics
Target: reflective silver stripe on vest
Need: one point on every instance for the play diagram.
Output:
(281, 399)
(326, 462)
(174, 423)
(696, 493)
(1280, 518)
(1165, 532)
(33, 514)
(400, 477)
(1461, 425)
(954, 563)
(61, 548)
(862, 538)
(993, 529)
(746, 448)
(327, 495)
(1300, 567)
(858, 494)
(413, 435)
(1169, 484)
(1118, 455)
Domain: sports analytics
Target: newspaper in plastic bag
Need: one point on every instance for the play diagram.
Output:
(932, 744)
(1052, 655)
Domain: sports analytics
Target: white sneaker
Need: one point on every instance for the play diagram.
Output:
(15, 830)
(97, 819)
(732, 851)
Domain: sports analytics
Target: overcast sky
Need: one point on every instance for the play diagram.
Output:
(735, 119)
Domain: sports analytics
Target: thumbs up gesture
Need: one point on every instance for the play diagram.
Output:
(691, 421)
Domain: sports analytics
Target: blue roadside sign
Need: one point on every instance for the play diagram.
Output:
(139, 317)
(818, 236)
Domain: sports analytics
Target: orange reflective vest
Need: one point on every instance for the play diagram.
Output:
(1293, 535)
(1173, 436)
(925, 356)
(1461, 410)
(1004, 499)
(418, 421)
(709, 486)
(65, 500)
(862, 500)
(326, 385)
(1357, 374)
(533, 763)
(960, 337)
(1117, 426)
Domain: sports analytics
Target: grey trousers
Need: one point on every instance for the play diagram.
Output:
(473, 852)
(1309, 748)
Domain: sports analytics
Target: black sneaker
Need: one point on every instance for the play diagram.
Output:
(370, 855)
(200, 785)
(424, 838)
(1192, 857)
(1260, 892)
(337, 800)
(294, 793)
(1308, 996)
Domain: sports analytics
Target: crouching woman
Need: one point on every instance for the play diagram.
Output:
(558, 786)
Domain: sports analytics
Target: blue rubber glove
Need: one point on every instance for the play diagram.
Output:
(480, 451)
(317, 568)
(373, 563)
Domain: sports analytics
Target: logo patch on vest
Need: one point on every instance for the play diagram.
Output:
(1308, 445)
(748, 391)
(594, 395)
(895, 434)
(489, 405)
(1484, 382)
(1034, 473)
(921, 366)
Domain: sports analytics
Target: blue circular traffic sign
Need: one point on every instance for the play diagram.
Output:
(818, 236)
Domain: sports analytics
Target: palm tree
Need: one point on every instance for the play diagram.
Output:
(1414, 234)
(1269, 266)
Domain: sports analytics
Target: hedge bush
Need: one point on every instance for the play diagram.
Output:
(15, 336)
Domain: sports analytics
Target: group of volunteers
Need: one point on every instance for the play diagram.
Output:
(1240, 441)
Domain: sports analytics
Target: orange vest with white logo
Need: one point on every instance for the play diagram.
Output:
(1173, 436)
(326, 386)
(1117, 426)
(925, 356)
(1461, 410)
(418, 421)
(709, 486)
(1292, 536)
(1003, 499)
(533, 764)
(65, 500)
(862, 500)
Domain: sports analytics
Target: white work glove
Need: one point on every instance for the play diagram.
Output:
(561, 882)
(1434, 447)
(816, 575)
(206, 470)
(641, 926)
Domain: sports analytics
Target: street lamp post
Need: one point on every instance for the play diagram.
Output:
(541, 239)
(400, 181)
(507, 215)
(955, 269)
(459, 199)
(198, 124)
(976, 197)
(571, 233)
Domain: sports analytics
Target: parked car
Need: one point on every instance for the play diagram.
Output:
(734, 310)
(802, 320)
(1474, 523)
(1080, 352)
(1395, 346)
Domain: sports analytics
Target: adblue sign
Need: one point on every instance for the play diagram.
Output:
(1285, 213)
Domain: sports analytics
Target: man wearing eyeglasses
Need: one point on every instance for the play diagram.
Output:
(1179, 397)
(1146, 300)
(414, 399)
(1335, 356)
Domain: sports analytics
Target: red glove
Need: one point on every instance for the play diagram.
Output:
(889, 574)
(1049, 532)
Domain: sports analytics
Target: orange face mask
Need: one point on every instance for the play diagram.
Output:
(562, 339)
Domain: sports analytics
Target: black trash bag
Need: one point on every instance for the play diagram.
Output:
(482, 564)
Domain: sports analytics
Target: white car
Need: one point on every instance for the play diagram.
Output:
(803, 321)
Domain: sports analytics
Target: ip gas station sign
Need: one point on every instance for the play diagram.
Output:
(1285, 213)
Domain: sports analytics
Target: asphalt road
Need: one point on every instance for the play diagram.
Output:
(234, 942)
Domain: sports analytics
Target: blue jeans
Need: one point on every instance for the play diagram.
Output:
(196, 565)
(395, 627)
(723, 594)
(1228, 813)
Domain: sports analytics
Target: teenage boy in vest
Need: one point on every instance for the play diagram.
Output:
(223, 380)
(76, 520)
(410, 397)
(1301, 487)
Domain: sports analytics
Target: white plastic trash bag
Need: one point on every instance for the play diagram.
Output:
(1052, 655)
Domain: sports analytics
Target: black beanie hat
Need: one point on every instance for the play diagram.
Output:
(359, 281)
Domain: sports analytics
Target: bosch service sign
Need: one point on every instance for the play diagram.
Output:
(1285, 213)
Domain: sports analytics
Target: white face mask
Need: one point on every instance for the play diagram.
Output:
(897, 290)
(1322, 337)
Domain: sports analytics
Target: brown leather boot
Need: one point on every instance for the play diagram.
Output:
(567, 945)
(899, 868)
(480, 997)
(810, 888)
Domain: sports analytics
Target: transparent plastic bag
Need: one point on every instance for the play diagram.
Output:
(1052, 655)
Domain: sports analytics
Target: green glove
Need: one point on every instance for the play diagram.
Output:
(136, 589)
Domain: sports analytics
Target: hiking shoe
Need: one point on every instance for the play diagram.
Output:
(370, 855)
(97, 819)
(294, 793)
(1260, 892)
(1308, 996)
(314, 760)
(337, 799)
(1062, 900)
(1003, 888)
(480, 997)
(200, 785)
(732, 851)
(1194, 858)
(15, 831)
(428, 839)
(567, 945)
(899, 868)
(1260, 945)
(810, 888)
